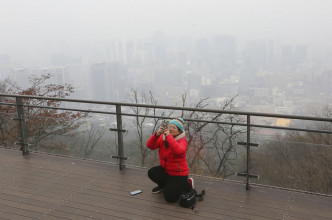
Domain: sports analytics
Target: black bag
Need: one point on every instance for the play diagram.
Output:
(188, 199)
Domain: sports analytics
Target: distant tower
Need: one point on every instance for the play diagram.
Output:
(101, 87)
(21, 76)
(61, 75)
(287, 57)
(224, 50)
(118, 52)
(4, 59)
(259, 55)
(300, 54)
(4, 65)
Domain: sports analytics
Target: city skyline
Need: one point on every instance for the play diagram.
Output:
(269, 53)
(265, 76)
(33, 30)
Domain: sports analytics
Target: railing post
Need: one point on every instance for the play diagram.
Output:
(248, 151)
(120, 136)
(21, 122)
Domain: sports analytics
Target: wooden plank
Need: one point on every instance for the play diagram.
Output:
(26, 193)
(18, 212)
(10, 215)
(52, 187)
(154, 208)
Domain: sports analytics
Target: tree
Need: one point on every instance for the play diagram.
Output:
(89, 139)
(212, 147)
(42, 124)
(6, 113)
(300, 160)
(139, 122)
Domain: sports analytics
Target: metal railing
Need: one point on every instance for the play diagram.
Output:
(119, 114)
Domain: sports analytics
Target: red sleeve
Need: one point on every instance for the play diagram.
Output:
(178, 147)
(153, 142)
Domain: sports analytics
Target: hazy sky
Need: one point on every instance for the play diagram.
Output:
(51, 25)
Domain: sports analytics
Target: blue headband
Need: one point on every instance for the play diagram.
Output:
(178, 122)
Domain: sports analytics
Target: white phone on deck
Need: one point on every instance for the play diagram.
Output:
(135, 192)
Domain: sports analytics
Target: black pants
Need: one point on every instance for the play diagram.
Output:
(174, 185)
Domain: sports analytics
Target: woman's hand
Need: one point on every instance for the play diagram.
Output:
(160, 131)
(166, 132)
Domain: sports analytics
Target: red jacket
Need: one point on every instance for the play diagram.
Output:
(173, 157)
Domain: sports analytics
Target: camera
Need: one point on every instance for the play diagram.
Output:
(164, 123)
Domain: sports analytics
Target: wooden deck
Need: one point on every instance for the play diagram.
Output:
(40, 186)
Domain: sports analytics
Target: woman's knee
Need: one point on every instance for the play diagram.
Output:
(150, 173)
(171, 197)
(155, 172)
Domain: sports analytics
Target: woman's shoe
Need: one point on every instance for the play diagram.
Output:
(157, 189)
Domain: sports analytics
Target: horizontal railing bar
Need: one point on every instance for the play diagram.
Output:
(71, 109)
(176, 108)
(186, 119)
(246, 144)
(114, 129)
(6, 103)
(293, 142)
(250, 175)
(291, 129)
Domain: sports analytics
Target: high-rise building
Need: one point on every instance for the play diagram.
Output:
(109, 81)
(287, 57)
(259, 55)
(100, 75)
(130, 53)
(21, 76)
(118, 52)
(4, 59)
(223, 54)
(4, 65)
(300, 54)
(325, 82)
(60, 74)
(118, 81)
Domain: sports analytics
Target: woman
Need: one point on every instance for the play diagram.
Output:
(172, 174)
